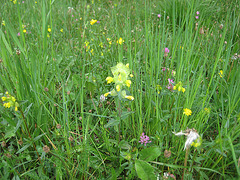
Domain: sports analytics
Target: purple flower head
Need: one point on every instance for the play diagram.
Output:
(144, 139)
(196, 17)
(98, 22)
(18, 34)
(166, 50)
(163, 69)
(197, 12)
(170, 81)
(159, 15)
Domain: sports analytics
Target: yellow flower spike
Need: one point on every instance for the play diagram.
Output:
(128, 83)
(93, 21)
(109, 80)
(16, 108)
(127, 65)
(130, 98)
(118, 88)
(187, 111)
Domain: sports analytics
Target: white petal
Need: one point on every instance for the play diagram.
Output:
(179, 133)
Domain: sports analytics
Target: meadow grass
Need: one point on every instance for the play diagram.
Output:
(55, 57)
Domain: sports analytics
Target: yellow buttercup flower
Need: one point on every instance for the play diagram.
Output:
(131, 75)
(221, 73)
(3, 23)
(61, 30)
(127, 65)
(120, 41)
(49, 29)
(24, 30)
(187, 111)
(93, 21)
(9, 101)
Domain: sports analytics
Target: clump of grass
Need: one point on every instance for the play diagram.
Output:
(54, 60)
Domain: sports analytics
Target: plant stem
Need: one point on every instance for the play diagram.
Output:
(24, 119)
(185, 161)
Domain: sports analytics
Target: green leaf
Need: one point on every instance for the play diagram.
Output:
(150, 153)
(124, 145)
(112, 122)
(10, 132)
(144, 170)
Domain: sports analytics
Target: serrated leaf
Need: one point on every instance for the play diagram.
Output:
(144, 170)
(149, 154)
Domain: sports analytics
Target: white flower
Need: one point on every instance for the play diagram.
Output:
(102, 98)
(191, 134)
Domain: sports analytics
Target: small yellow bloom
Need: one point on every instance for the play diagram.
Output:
(128, 83)
(207, 110)
(221, 73)
(15, 1)
(131, 75)
(3, 23)
(93, 21)
(174, 87)
(183, 90)
(16, 108)
(106, 94)
(48, 35)
(92, 51)
(4, 98)
(120, 41)
(118, 88)
(130, 98)
(24, 30)
(109, 80)
(61, 30)
(36, 2)
(187, 112)
(49, 29)
(127, 65)
(101, 53)
(119, 77)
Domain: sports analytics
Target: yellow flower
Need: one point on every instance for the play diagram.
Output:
(183, 90)
(128, 83)
(49, 29)
(4, 98)
(101, 53)
(130, 98)
(61, 30)
(221, 73)
(109, 80)
(118, 88)
(127, 65)
(15, 1)
(131, 75)
(106, 94)
(36, 2)
(187, 112)
(119, 77)
(93, 21)
(92, 51)
(9, 101)
(16, 108)
(207, 110)
(48, 35)
(24, 30)
(3, 23)
(120, 41)
(174, 87)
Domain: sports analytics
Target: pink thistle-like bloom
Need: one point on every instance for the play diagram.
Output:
(159, 15)
(72, 15)
(197, 12)
(196, 17)
(166, 50)
(144, 139)
(18, 34)
(98, 22)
